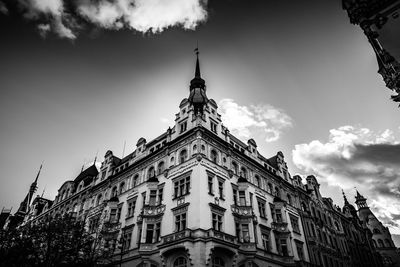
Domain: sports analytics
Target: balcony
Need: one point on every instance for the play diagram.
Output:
(248, 246)
(187, 233)
(111, 229)
(222, 236)
(280, 227)
(242, 211)
(153, 210)
(96, 209)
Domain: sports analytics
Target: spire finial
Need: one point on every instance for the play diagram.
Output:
(37, 176)
(197, 72)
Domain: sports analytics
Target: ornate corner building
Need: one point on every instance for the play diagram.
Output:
(379, 20)
(198, 196)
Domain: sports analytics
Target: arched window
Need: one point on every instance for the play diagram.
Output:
(180, 262)
(182, 156)
(277, 192)
(151, 172)
(135, 180)
(218, 262)
(376, 231)
(160, 167)
(303, 206)
(257, 181)
(114, 191)
(82, 205)
(387, 243)
(214, 156)
(270, 188)
(380, 243)
(235, 167)
(243, 172)
(194, 148)
(289, 199)
(99, 199)
(121, 187)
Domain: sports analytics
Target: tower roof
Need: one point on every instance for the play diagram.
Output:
(197, 81)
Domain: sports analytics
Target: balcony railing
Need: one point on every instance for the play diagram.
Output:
(222, 236)
(176, 236)
(111, 229)
(244, 211)
(153, 210)
(280, 226)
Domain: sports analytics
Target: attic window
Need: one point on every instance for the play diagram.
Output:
(183, 111)
(212, 111)
(183, 126)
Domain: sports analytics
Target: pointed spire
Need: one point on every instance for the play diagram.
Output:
(37, 176)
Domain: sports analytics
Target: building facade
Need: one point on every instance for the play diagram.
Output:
(379, 20)
(198, 196)
(381, 236)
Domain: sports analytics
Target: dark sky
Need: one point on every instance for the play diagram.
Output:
(63, 100)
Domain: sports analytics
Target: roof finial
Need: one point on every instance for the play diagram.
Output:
(95, 158)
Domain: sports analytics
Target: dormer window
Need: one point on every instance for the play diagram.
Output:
(183, 126)
(183, 111)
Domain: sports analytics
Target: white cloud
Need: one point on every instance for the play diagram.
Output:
(355, 156)
(254, 120)
(3, 8)
(140, 15)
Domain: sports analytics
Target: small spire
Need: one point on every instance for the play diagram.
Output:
(345, 198)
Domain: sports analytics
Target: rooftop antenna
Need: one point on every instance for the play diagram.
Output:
(95, 158)
(123, 150)
(44, 189)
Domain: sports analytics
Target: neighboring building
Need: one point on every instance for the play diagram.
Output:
(334, 237)
(198, 196)
(382, 238)
(379, 20)
(4, 215)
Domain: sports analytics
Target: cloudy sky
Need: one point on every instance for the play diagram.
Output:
(81, 77)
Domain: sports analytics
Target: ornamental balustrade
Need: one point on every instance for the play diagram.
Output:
(280, 226)
(153, 210)
(244, 211)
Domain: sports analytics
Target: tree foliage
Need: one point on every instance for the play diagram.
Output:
(54, 242)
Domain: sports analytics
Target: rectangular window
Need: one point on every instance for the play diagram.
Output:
(237, 230)
(153, 197)
(180, 222)
(284, 248)
(113, 215)
(278, 215)
(242, 198)
(235, 195)
(245, 233)
(181, 187)
(149, 233)
(265, 240)
(299, 248)
(221, 189)
(131, 207)
(295, 224)
(261, 208)
(119, 211)
(126, 239)
(210, 185)
(217, 222)
(157, 232)
(160, 195)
